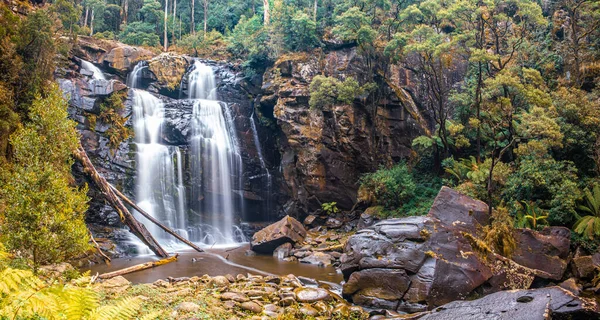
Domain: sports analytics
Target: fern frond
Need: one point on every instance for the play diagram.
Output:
(78, 302)
(122, 310)
(151, 316)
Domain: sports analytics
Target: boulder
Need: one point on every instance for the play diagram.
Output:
(169, 69)
(285, 230)
(310, 295)
(283, 251)
(583, 266)
(545, 303)
(438, 258)
(122, 58)
(546, 250)
(318, 258)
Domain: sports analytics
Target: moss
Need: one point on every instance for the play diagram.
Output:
(110, 114)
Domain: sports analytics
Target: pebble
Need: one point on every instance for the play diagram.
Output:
(239, 297)
(312, 295)
(252, 306)
(188, 307)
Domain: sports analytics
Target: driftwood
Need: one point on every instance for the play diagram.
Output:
(138, 267)
(128, 219)
(98, 247)
(156, 222)
(337, 247)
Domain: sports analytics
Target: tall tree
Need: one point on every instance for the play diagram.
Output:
(205, 15)
(165, 41)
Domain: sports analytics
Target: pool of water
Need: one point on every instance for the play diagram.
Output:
(216, 262)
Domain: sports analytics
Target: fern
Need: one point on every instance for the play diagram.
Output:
(122, 310)
(589, 225)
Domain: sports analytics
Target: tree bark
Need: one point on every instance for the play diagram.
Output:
(315, 11)
(138, 267)
(92, 24)
(173, 34)
(135, 226)
(87, 11)
(165, 28)
(205, 14)
(125, 11)
(193, 31)
(266, 12)
(153, 220)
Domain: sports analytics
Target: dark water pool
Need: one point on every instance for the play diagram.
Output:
(216, 262)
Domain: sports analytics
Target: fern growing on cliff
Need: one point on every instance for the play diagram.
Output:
(589, 225)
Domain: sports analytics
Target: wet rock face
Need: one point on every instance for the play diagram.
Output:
(114, 56)
(545, 303)
(325, 152)
(285, 230)
(416, 263)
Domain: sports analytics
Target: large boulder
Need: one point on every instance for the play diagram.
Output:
(285, 230)
(545, 303)
(442, 258)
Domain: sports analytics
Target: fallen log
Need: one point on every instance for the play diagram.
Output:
(138, 267)
(106, 258)
(337, 247)
(127, 218)
(153, 220)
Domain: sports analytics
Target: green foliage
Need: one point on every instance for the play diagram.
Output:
(328, 91)
(390, 188)
(140, 33)
(210, 44)
(41, 214)
(330, 208)
(499, 234)
(532, 217)
(589, 224)
(111, 111)
(248, 40)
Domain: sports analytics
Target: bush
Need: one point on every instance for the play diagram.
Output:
(210, 44)
(248, 41)
(41, 214)
(390, 188)
(327, 91)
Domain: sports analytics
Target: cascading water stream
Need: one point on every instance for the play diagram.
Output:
(215, 161)
(262, 161)
(96, 73)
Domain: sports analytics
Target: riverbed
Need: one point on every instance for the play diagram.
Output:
(220, 261)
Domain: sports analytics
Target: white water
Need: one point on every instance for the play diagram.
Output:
(262, 162)
(213, 157)
(96, 73)
(159, 187)
(215, 162)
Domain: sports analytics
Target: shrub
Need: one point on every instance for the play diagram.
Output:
(390, 188)
(110, 114)
(210, 44)
(327, 91)
(41, 214)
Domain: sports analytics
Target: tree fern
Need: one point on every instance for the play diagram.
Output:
(589, 225)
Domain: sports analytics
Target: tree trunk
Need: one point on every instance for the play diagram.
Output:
(87, 11)
(205, 14)
(193, 31)
(128, 219)
(92, 24)
(165, 28)
(137, 267)
(125, 11)
(315, 11)
(266, 12)
(173, 35)
(153, 220)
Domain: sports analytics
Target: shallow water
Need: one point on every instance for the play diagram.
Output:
(216, 262)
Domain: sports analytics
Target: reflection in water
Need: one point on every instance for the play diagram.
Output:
(208, 263)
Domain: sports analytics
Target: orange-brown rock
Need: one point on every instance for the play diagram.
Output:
(285, 230)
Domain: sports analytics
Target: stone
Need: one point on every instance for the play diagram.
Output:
(309, 220)
(432, 261)
(544, 303)
(219, 281)
(333, 223)
(252, 307)
(188, 307)
(117, 284)
(285, 230)
(318, 258)
(235, 296)
(309, 311)
(546, 250)
(310, 295)
(583, 266)
(283, 251)
(572, 286)
(377, 284)
(169, 69)
(341, 311)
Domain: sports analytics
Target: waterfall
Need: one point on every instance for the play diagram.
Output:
(135, 77)
(96, 73)
(159, 187)
(205, 212)
(262, 161)
(201, 83)
(215, 161)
